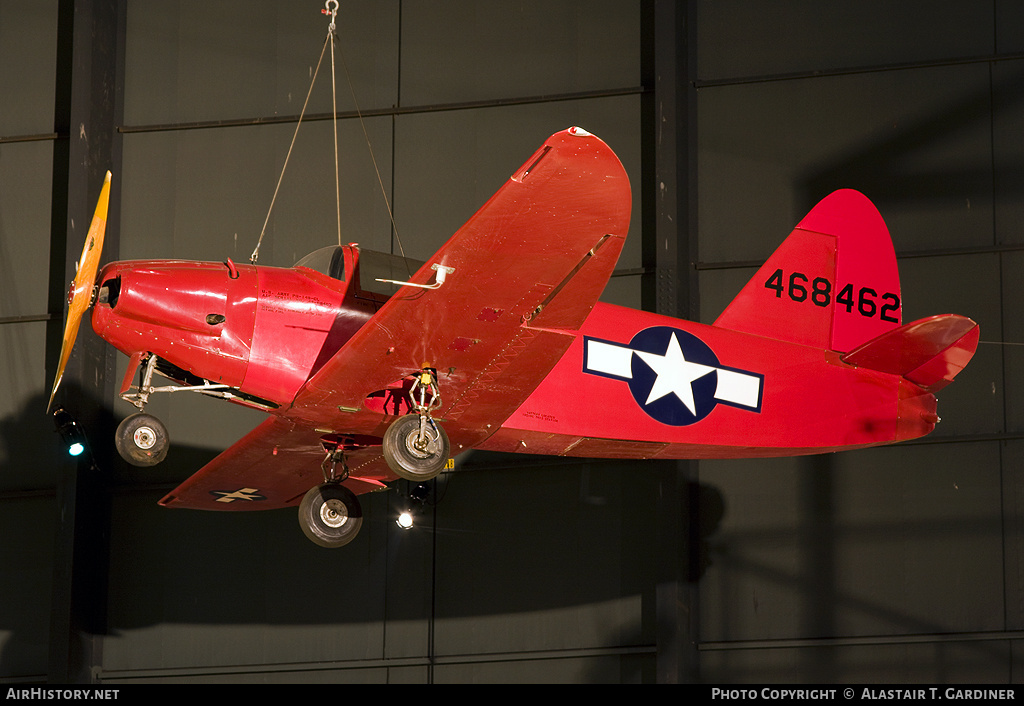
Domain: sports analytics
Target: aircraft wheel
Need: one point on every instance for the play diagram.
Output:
(142, 440)
(410, 459)
(330, 515)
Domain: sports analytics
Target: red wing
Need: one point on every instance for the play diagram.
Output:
(523, 274)
(525, 271)
(272, 467)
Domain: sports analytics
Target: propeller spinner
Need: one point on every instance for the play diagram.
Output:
(80, 294)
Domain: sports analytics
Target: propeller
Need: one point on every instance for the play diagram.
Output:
(80, 293)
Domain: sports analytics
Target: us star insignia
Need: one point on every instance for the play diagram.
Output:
(674, 376)
(230, 496)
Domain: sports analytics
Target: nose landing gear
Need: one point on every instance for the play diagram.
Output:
(142, 440)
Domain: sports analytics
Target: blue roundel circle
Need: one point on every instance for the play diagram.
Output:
(671, 408)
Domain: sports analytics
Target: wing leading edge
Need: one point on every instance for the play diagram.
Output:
(524, 273)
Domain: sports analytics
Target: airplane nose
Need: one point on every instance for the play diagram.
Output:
(194, 315)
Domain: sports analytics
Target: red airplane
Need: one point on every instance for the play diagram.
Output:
(499, 342)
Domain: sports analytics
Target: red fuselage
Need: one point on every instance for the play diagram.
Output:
(622, 390)
(260, 330)
(263, 331)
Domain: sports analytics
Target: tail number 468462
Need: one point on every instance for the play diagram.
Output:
(818, 291)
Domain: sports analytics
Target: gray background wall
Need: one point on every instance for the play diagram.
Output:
(732, 118)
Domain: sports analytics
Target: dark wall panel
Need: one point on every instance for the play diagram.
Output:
(28, 34)
(28, 443)
(867, 662)
(491, 50)
(462, 157)
(1008, 150)
(200, 61)
(1012, 456)
(1008, 15)
(24, 260)
(194, 589)
(894, 541)
(917, 142)
(737, 38)
(545, 557)
(572, 670)
(1013, 332)
(25, 583)
(24, 226)
(205, 194)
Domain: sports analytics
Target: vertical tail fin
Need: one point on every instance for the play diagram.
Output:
(832, 284)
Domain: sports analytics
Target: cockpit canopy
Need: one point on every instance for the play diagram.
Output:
(339, 261)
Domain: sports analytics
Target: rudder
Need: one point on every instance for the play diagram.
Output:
(832, 284)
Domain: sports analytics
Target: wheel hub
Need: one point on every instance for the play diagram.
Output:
(420, 448)
(333, 513)
(144, 438)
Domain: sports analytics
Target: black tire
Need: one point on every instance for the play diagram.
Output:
(330, 515)
(142, 440)
(408, 460)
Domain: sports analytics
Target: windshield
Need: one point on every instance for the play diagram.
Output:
(328, 261)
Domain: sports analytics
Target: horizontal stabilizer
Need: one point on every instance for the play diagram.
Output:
(928, 353)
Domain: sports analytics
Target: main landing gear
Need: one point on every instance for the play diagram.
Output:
(415, 446)
(329, 514)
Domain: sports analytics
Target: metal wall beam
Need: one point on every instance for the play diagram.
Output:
(87, 109)
(670, 288)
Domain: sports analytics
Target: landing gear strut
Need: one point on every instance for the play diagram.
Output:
(142, 439)
(415, 446)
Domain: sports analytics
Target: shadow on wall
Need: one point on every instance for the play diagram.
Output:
(892, 172)
(140, 565)
(56, 524)
(845, 565)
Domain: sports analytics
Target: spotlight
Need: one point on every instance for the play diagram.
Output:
(416, 495)
(419, 492)
(70, 432)
(405, 520)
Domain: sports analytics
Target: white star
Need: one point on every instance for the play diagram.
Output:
(674, 374)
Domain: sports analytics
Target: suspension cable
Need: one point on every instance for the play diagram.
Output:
(373, 158)
(331, 34)
(331, 9)
(256, 253)
(329, 40)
